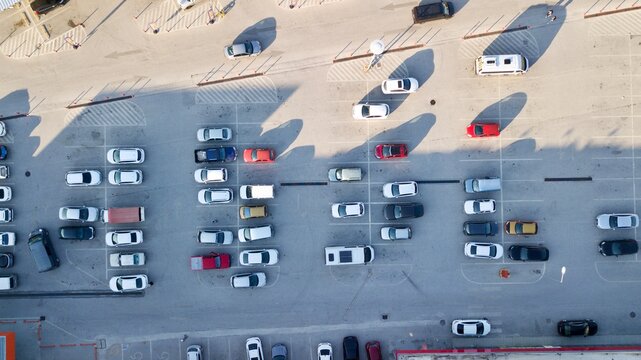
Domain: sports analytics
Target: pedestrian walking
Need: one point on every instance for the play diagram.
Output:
(550, 13)
(553, 18)
(183, 338)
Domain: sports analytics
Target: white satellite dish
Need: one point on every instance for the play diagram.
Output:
(377, 47)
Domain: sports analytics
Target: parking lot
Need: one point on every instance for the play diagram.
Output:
(566, 153)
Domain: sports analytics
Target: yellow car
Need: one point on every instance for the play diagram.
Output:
(250, 212)
(515, 227)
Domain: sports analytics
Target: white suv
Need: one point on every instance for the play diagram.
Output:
(349, 255)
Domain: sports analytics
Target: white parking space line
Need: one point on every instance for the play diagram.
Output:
(507, 159)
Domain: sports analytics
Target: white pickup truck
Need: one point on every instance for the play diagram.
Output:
(257, 192)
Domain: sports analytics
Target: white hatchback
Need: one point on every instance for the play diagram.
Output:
(481, 250)
(7, 238)
(5, 193)
(216, 134)
(399, 86)
(481, 206)
(126, 156)
(206, 176)
(370, 111)
(215, 196)
(128, 283)
(123, 237)
(83, 178)
(473, 327)
(400, 189)
(324, 351)
(125, 177)
(351, 209)
(254, 349)
(259, 257)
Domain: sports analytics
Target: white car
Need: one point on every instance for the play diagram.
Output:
(247, 48)
(123, 237)
(351, 209)
(4, 172)
(218, 237)
(370, 111)
(483, 250)
(5, 193)
(126, 156)
(396, 233)
(481, 206)
(478, 328)
(325, 351)
(7, 238)
(215, 196)
(206, 176)
(216, 134)
(79, 213)
(248, 280)
(125, 177)
(128, 283)
(186, 4)
(400, 189)
(6, 215)
(259, 257)
(194, 352)
(3, 129)
(83, 178)
(254, 349)
(127, 259)
(399, 86)
(617, 221)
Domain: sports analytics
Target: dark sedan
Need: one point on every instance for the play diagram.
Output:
(528, 253)
(49, 5)
(403, 211)
(484, 228)
(6, 260)
(618, 247)
(215, 154)
(350, 348)
(76, 232)
(577, 327)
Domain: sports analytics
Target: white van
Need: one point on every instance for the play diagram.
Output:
(349, 255)
(8, 282)
(255, 233)
(482, 185)
(501, 65)
(257, 192)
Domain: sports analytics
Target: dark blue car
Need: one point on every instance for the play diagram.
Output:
(215, 154)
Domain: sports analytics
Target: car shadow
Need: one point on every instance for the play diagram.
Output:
(263, 31)
(506, 109)
(535, 41)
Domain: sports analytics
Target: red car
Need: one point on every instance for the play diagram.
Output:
(373, 350)
(483, 130)
(391, 151)
(259, 155)
(210, 261)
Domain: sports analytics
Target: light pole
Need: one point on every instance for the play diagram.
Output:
(562, 274)
(377, 47)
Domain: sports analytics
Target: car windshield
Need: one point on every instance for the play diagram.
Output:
(217, 261)
(249, 48)
(365, 110)
(138, 283)
(219, 237)
(247, 212)
(264, 257)
(86, 177)
(479, 328)
(230, 50)
(406, 84)
(476, 206)
(342, 210)
(478, 130)
(255, 154)
(83, 213)
(614, 221)
(492, 251)
(324, 352)
(253, 280)
(518, 228)
(367, 254)
(396, 190)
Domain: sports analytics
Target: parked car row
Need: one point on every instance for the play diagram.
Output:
(208, 196)
(482, 327)
(7, 238)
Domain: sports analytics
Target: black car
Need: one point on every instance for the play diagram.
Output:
(76, 232)
(215, 154)
(6, 260)
(49, 5)
(528, 253)
(618, 247)
(577, 327)
(403, 211)
(433, 11)
(350, 348)
(486, 228)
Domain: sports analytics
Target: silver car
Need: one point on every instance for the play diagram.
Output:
(247, 48)
(215, 134)
(125, 177)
